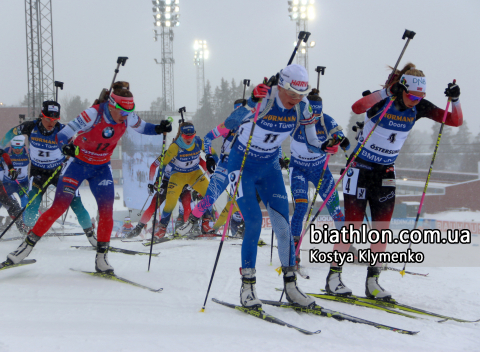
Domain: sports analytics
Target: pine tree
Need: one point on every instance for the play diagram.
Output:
(72, 107)
(204, 118)
(462, 151)
(157, 105)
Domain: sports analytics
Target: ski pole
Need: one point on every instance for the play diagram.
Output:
(23, 189)
(230, 211)
(429, 174)
(407, 34)
(121, 60)
(392, 99)
(319, 69)
(45, 185)
(58, 84)
(141, 210)
(157, 194)
(302, 36)
(246, 83)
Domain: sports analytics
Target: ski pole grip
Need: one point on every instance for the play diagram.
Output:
(408, 34)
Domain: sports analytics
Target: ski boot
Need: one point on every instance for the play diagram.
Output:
(293, 293)
(206, 229)
(354, 250)
(162, 230)
(136, 231)
(334, 283)
(90, 232)
(24, 249)
(188, 226)
(373, 288)
(179, 222)
(101, 260)
(248, 295)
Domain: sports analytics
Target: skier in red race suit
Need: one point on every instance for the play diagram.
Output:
(99, 128)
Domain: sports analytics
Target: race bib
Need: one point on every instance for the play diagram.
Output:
(350, 181)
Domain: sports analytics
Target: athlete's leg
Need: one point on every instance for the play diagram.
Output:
(299, 186)
(218, 183)
(74, 174)
(101, 185)
(333, 203)
(175, 186)
(271, 189)
(81, 213)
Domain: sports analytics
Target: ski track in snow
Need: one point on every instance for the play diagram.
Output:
(47, 307)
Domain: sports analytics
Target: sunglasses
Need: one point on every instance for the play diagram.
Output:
(188, 136)
(17, 147)
(51, 118)
(414, 97)
(294, 95)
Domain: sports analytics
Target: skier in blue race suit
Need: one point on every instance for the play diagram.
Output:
(20, 160)
(283, 109)
(308, 167)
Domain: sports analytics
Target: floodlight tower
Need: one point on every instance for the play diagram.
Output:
(166, 14)
(301, 11)
(201, 53)
(39, 40)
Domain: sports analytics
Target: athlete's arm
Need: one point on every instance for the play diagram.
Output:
(219, 131)
(308, 121)
(362, 105)
(6, 159)
(82, 122)
(24, 128)
(212, 152)
(245, 113)
(429, 110)
(140, 126)
(171, 153)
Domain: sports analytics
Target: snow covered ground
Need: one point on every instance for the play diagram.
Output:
(47, 307)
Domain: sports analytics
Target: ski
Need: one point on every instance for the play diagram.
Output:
(324, 312)
(118, 279)
(257, 313)
(357, 302)
(6, 265)
(406, 272)
(392, 304)
(48, 234)
(166, 239)
(117, 250)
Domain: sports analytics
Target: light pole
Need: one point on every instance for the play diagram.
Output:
(201, 53)
(166, 15)
(301, 11)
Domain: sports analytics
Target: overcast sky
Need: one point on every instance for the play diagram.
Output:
(251, 39)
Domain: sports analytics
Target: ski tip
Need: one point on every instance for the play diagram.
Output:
(279, 270)
(317, 332)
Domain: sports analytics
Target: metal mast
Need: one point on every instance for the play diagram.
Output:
(39, 40)
(166, 15)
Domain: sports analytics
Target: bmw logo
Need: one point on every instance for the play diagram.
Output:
(232, 177)
(350, 173)
(108, 132)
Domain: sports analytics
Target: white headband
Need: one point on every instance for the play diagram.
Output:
(414, 83)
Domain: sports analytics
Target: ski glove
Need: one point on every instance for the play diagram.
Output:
(284, 162)
(397, 89)
(70, 150)
(164, 127)
(13, 174)
(453, 92)
(342, 141)
(358, 128)
(260, 92)
(211, 164)
(151, 188)
(329, 147)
